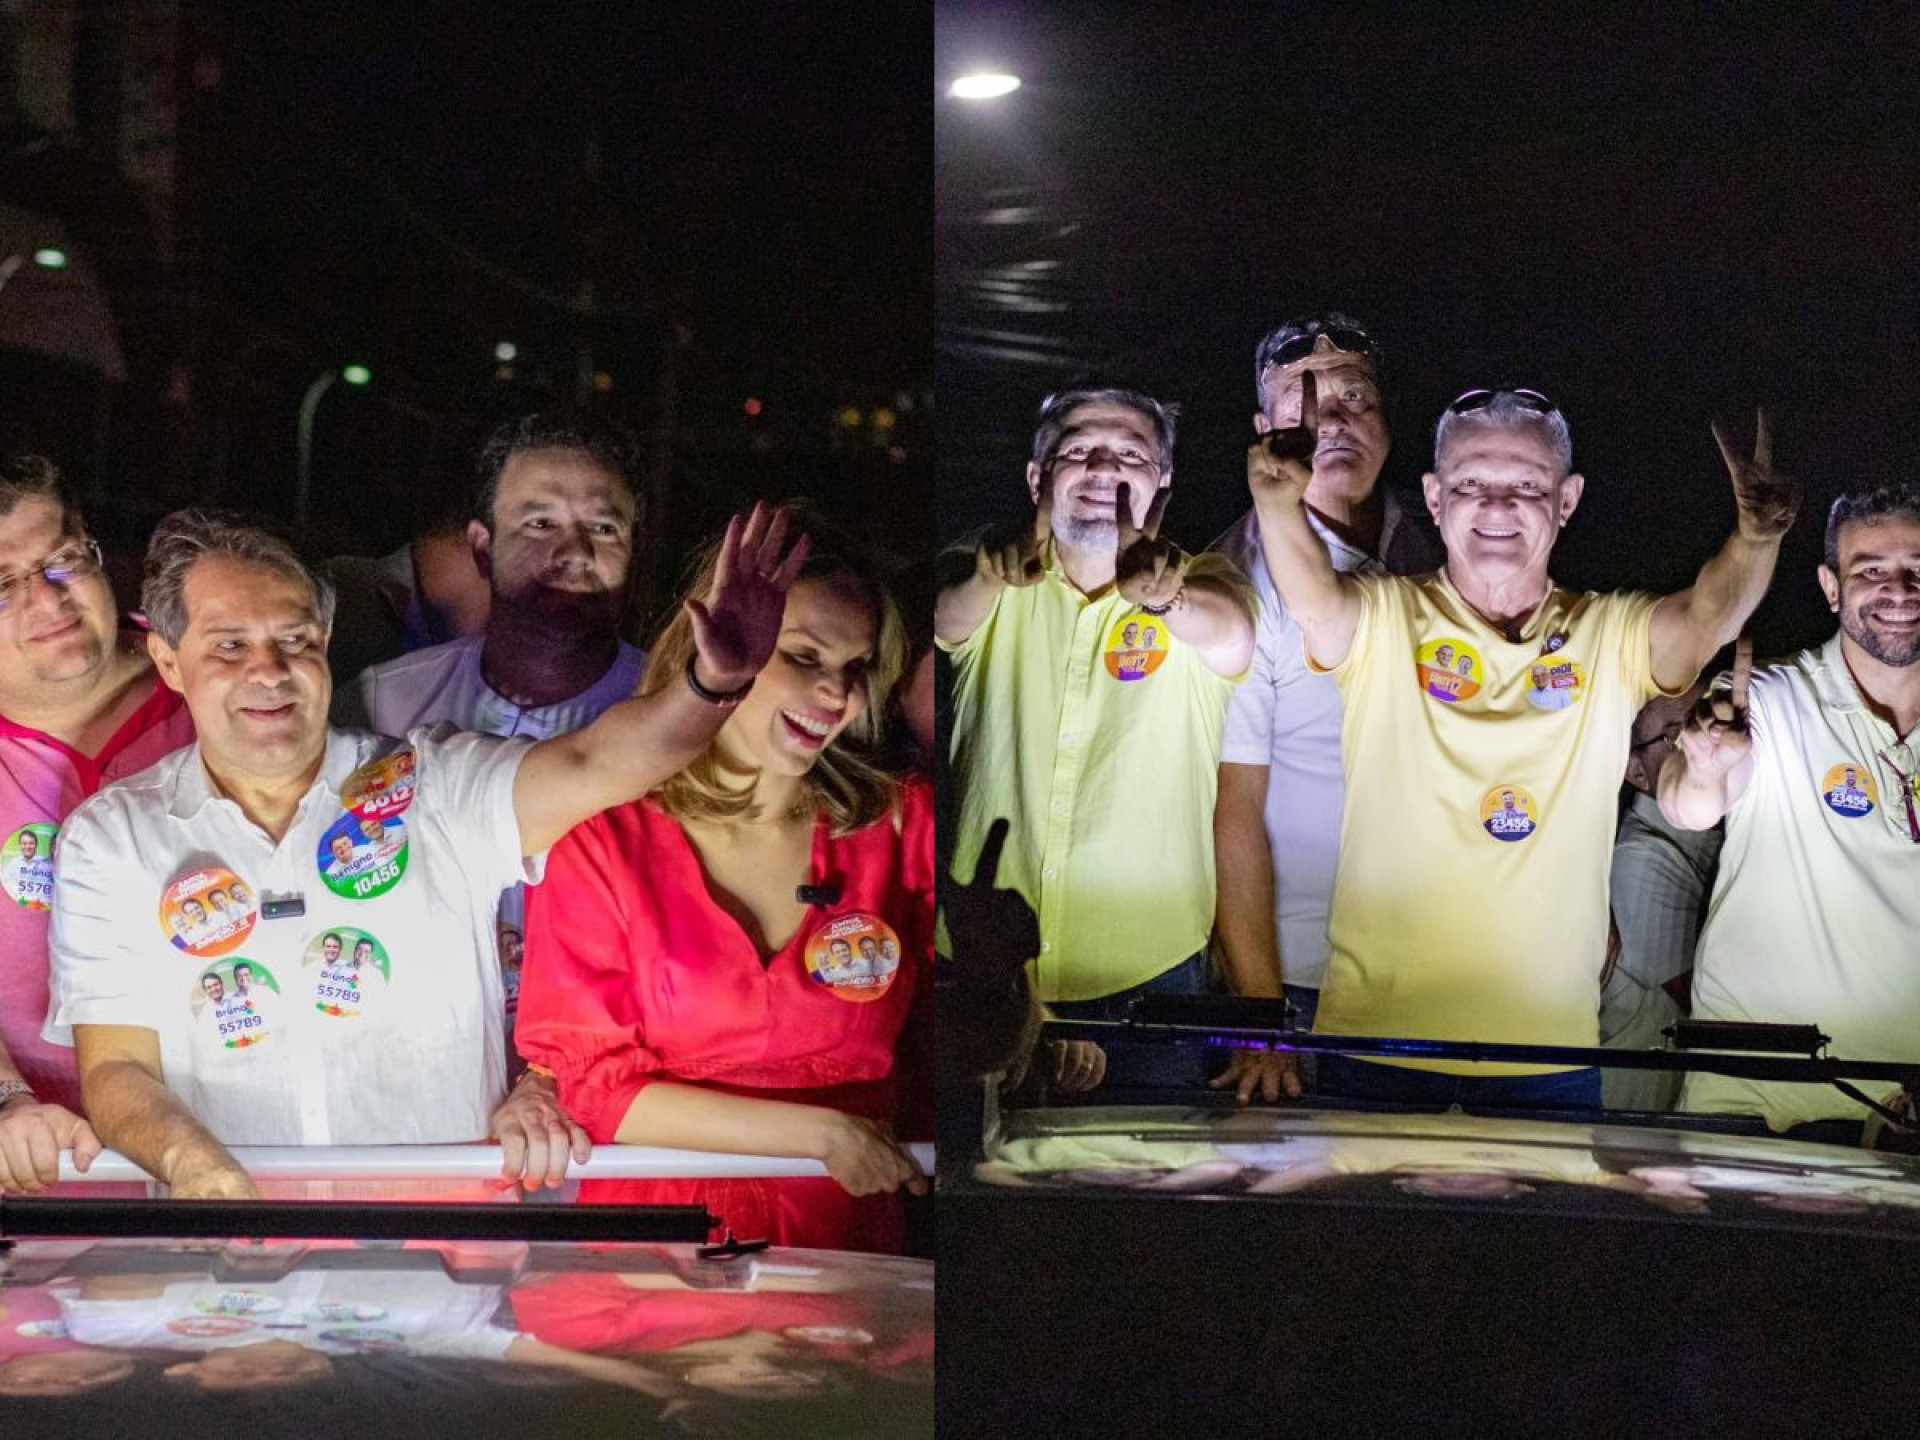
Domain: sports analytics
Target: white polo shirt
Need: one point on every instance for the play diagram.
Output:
(371, 1011)
(1815, 918)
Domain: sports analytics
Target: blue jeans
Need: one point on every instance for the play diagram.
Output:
(1153, 1065)
(1355, 1079)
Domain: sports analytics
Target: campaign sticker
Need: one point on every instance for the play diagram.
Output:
(361, 857)
(1509, 813)
(829, 1334)
(41, 1329)
(346, 1314)
(1555, 683)
(349, 971)
(239, 1000)
(856, 956)
(1848, 790)
(208, 912)
(239, 1302)
(380, 788)
(1136, 647)
(1449, 670)
(361, 1338)
(208, 1327)
(26, 866)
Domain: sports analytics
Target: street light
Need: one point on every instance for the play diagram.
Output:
(984, 85)
(309, 406)
(50, 257)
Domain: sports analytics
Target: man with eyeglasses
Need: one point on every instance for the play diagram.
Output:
(1426, 826)
(1276, 825)
(79, 706)
(1052, 729)
(1815, 917)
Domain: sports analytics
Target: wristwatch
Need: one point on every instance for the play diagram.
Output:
(12, 1086)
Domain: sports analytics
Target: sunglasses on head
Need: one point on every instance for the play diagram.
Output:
(1529, 400)
(1298, 347)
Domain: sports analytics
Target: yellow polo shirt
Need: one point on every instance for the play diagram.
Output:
(1097, 734)
(1483, 778)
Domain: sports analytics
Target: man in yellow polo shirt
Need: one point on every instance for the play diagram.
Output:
(1092, 664)
(1471, 897)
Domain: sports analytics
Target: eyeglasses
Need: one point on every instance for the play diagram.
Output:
(1298, 347)
(1531, 401)
(74, 561)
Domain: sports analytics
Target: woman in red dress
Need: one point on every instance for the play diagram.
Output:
(730, 963)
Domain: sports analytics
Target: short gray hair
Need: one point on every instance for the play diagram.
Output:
(1062, 403)
(1898, 501)
(1506, 412)
(186, 537)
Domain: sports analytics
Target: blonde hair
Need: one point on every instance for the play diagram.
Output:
(850, 781)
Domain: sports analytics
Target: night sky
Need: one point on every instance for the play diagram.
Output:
(1653, 218)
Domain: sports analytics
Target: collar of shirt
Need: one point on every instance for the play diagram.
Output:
(1836, 687)
(1350, 558)
(1525, 634)
(193, 788)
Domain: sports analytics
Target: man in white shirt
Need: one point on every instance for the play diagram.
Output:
(1277, 818)
(240, 629)
(1817, 904)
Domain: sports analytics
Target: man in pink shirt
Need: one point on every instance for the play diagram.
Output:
(80, 706)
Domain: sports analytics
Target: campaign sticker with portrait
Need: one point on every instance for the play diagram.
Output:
(239, 1302)
(1449, 670)
(856, 956)
(238, 999)
(349, 970)
(381, 787)
(1509, 813)
(340, 1314)
(1136, 647)
(361, 856)
(1848, 790)
(26, 866)
(208, 912)
(1555, 683)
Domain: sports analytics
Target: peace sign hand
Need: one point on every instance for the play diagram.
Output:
(1280, 462)
(1014, 553)
(1715, 737)
(1147, 570)
(1767, 500)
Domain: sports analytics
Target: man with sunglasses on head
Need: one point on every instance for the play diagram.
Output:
(1276, 824)
(80, 706)
(1427, 828)
(1057, 716)
(1815, 918)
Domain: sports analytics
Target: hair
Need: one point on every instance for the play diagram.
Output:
(1505, 412)
(849, 781)
(1310, 325)
(1062, 403)
(608, 444)
(186, 537)
(1902, 501)
(25, 476)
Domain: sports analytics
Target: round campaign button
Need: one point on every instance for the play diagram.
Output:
(380, 787)
(855, 956)
(209, 911)
(238, 1000)
(1848, 790)
(239, 1302)
(348, 971)
(208, 1327)
(361, 856)
(346, 1314)
(1556, 683)
(26, 866)
(1136, 647)
(1450, 670)
(1509, 813)
(41, 1330)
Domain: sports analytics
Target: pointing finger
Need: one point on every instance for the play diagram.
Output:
(1742, 672)
(1043, 513)
(1309, 404)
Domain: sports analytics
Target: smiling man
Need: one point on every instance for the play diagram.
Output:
(1058, 714)
(1491, 800)
(1817, 904)
(240, 629)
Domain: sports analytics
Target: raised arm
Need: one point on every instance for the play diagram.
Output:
(1714, 761)
(1324, 603)
(1201, 608)
(1690, 626)
(136, 1114)
(636, 744)
(1013, 553)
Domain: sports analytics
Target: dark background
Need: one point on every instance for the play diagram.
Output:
(668, 211)
(1656, 214)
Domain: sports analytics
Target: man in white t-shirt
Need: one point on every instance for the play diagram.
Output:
(1816, 908)
(240, 628)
